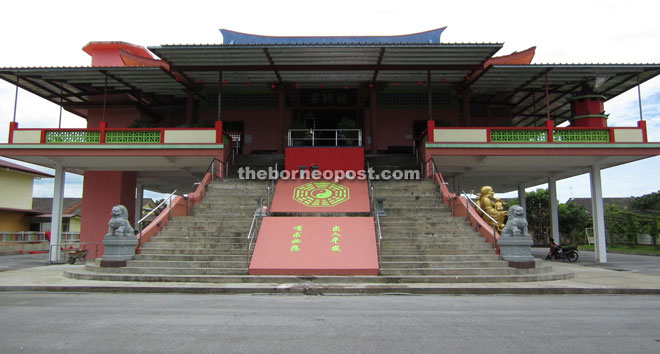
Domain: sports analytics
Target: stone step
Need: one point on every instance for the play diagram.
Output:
(440, 265)
(459, 271)
(91, 274)
(413, 203)
(215, 222)
(437, 252)
(405, 194)
(410, 184)
(194, 245)
(420, 224)
(445, 258)
(243, 197)
(409, 247)
(397, 241)
(194, 238)
(235, 226)
(429, 237)
(174, 271)
(192, 258)
(195, 251)
(425, 233)
(439, 218)
(187, 264)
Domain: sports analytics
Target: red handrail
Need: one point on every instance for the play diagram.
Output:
(460, 207)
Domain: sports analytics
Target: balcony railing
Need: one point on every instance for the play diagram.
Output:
(532, 135)
(105, 135)
(325, 137)
(35, 236)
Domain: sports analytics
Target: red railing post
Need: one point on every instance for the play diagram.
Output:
(642, 124)
(12, 127)
(430, 130)
(218, 132)
(103, 126)
(550, 125)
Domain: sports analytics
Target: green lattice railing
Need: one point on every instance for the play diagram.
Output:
(133, 137)
(581, 136)
(73, 136)
(518, 136)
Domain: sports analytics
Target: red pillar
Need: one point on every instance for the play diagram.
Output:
(430, 130)
(101, 191)
(642, 124)
(12, 126)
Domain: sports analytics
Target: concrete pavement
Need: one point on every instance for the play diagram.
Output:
(588, 279)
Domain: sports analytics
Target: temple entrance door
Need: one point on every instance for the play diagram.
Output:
(330, 119)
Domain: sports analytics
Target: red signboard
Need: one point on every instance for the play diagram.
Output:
(315, 246)
(321, 196)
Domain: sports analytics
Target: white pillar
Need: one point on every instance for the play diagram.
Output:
(522, 197)
(139, 202)
(554, 211)
(56, 215)
(598, 215)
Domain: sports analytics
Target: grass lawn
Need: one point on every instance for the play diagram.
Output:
(640, 249)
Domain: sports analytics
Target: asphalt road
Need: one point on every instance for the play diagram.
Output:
(615, 261)
(122, 323)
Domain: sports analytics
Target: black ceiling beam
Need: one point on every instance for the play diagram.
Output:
(527, 83)
(272, 64)
(562, 95)
(60, 84)
(553, 90)
(612, 87)
(378, 63)
(333, 67)
(31, 82)
(134, 90)
(481, 74)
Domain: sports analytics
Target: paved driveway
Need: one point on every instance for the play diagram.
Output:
(20, 261)
(615, 261)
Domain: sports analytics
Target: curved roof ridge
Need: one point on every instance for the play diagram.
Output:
(235, 37)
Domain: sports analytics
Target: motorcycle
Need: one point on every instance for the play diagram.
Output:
(570, 253)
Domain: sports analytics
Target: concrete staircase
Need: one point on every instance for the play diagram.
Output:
(422, 242)
(422, 239)
(211, 241)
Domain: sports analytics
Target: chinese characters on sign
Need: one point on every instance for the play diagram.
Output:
(328, 97)
(297, 235)
(335, 239)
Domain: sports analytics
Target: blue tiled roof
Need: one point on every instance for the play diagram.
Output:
(233, 37)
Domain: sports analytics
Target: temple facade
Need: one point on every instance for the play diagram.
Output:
(160, 117)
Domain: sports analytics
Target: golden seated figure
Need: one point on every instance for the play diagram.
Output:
(492, 206)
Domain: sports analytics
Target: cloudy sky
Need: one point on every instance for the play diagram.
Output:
(52, 33)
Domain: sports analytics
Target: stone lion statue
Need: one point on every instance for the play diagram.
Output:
(516, 224)
(118, 223)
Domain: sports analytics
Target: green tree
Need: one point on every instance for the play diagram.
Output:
(614, 222)
(573, 219)
(538, 214)
(646, 202)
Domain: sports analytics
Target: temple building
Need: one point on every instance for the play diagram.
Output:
(161, 118)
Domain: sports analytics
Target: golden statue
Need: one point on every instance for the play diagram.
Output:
(492, 206)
